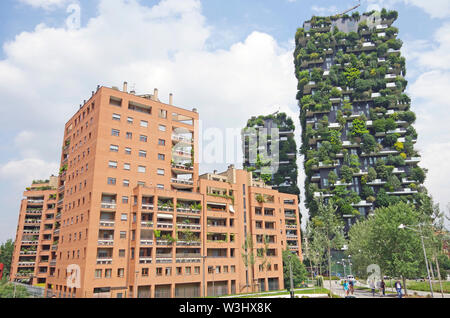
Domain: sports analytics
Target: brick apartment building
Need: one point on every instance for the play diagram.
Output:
(34, 235)
(135, 219)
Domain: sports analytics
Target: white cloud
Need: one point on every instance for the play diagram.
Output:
(45, 4)
(47, 73)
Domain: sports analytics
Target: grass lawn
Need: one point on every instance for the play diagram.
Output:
(425, 286)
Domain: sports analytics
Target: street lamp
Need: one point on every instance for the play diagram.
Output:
(402, 226)
(350, 263)
(291, 280)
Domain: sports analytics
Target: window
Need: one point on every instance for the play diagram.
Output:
(143, 138)
(98, 273)
(111, 181)
(145, 272)
(122, 253)
(161, 172)
(161, 142)
(120, 272)
(126, 166)
(141, 183)
(158, 271)
(116, 117)
(124, 199)
(144, 123)
(160, 186)
(115, 101)
(168, 271)
(123, 234)
(114, 148)
(130, 120)
(129, 135)
(108, 273)
(126, 183)
(124, 217)
(179, 271)
(141, 169)
(162, 128)
(143, 153)
(161, 157)
(112, 164)
(162, 113)
(188, 270)
(128, 151)
(115, 132)
(197, 270)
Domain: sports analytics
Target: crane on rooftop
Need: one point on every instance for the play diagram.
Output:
(355, 7)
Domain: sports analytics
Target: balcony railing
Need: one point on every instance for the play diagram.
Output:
(188, 210)
(147, 206)
(181, 181)
(182, 167)
(163, 225)
(106, 242)
(189, 226)
(146, 242)
(104, 260)
(146, 223)
(145, 260)
(107, 223)
(108, 205)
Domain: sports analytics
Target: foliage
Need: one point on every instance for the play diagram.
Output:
(7, 290)
(6, 254)
(299, 273)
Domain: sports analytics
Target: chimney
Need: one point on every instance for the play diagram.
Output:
(155, 95)
(125, 87)
(171, 99)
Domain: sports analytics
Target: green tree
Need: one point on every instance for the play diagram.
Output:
(6, 253)
(299, 273)
(330, 226)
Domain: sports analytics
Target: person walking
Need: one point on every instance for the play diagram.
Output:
(352, 286)
(383, 288)
(398, 288)
(345, 287)
(372, 287)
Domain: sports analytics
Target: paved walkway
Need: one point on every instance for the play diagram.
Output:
(338, 290)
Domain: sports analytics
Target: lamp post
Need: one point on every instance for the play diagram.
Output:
(204, 287)
(343, 263)
(136, 285)
(350, 263)
(402, 226)
(291, 280)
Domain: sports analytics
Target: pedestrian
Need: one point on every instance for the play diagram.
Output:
(372, 287)
(383, 287)
(398, 287)
(351, 285)
(345, 287)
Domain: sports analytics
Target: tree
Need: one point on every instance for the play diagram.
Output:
(299, 273)
(330, 226)
(369, 144)
(248, 257)
(378, 240)
(6, 254)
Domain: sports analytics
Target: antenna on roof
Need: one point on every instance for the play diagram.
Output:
(355, 7)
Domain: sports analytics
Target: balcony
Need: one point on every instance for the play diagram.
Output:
(164, 225)
(27, 264)
(196, 227)
(108, 205)
(107, 223)
(147, 206)
(182, 183)
(182, 139)
(291, 226)
(412, 160)
(146, 224)
(164, 258)
(106, 242)
(53, 262)
(179, 168)
(107, 260)
(405, 191)
(145, 260)
(188, 243)
(146, 242)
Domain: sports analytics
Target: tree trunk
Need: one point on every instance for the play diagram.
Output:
(439, 275)
(404, 285)
(329, 266)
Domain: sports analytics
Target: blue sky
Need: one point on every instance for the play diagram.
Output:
(223, 57)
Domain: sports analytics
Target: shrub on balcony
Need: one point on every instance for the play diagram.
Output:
(346, 173)
(359, 128)
(369, 144)
(418, 174)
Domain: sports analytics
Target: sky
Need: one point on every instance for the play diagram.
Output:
(229, 59)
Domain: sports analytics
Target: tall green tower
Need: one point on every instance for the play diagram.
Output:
(357, 133)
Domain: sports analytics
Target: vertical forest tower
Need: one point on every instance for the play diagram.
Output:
(357, 136)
